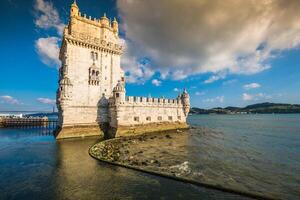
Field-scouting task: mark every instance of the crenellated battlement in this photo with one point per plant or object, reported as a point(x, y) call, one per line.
point(147, 101)
point(151, 100)
point(103, 22)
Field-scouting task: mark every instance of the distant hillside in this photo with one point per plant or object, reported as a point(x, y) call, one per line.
point(263, 108)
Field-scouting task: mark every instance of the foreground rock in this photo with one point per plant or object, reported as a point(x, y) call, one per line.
point(153, 152)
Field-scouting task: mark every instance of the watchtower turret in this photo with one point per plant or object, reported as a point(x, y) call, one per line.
point(185, 99)
point(74, 11)
point(119, 92)
point(115, 26)
point(104, 21)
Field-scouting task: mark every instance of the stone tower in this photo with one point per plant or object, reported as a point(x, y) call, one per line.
point(91, 96)
point(185, 98)
point(90, 69)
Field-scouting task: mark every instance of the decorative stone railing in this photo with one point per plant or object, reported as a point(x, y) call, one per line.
point(152, 101)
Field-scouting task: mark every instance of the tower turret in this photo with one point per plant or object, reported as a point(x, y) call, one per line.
point(74, 11)
point(119, 92)
point(185, 99)
point(115, 26)
point(104, 21)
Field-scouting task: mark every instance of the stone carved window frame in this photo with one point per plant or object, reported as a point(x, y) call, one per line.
point(94, 76)
point(94, 56)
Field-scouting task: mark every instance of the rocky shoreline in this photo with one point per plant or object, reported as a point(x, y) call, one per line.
point(131, 151)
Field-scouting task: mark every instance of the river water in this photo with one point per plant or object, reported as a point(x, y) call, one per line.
point(255, 153)
point(260, 150)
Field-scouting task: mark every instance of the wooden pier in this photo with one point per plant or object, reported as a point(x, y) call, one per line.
point(34, 122)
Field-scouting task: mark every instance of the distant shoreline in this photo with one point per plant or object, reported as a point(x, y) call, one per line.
point(261, 108)
point(242, 113)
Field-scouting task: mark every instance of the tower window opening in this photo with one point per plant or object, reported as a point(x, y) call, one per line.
point(94, 76)
point(94, 55)
point(117, 95)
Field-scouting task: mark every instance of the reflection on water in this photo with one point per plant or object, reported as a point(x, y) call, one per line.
point(35, 166)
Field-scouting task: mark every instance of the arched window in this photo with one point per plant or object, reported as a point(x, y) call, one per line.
point(94, 75)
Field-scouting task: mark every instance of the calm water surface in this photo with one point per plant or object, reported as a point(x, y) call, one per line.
point(35, 166)
point(255, 153)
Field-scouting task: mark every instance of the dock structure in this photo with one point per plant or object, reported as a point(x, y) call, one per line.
point(36, 122)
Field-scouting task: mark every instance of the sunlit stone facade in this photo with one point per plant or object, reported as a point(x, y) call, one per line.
point(91, 97)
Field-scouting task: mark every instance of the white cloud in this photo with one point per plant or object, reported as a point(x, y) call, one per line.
point(214, 78)
point(236, 37)
point(137, 71)
point(176, 90)
point(48, 50)
point(10, 100)
point(247, 97)
point(47, 16)
point(255, 97)
point(156, 82)
point(199, 93)
point(46, 101)
point(219, 99)
point(251, 86)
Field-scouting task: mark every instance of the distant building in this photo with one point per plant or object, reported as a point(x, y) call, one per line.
point(91, 97)
point(11, 115)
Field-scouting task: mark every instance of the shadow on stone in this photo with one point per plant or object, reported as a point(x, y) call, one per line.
point(103, 117)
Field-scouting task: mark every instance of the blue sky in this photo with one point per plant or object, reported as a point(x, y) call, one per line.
point(28, 78)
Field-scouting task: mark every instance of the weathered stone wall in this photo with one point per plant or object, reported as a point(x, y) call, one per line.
point(88, 45)
point(142, 110)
